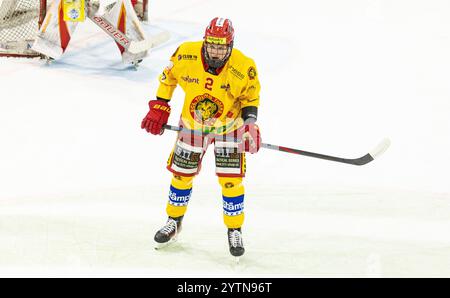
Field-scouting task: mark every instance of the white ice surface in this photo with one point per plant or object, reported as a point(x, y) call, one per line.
point(83, 188)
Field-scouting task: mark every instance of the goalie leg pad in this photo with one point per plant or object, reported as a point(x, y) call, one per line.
point(55, 33)
point(123, 15)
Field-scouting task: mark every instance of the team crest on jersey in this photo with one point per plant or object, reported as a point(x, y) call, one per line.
point(205, 109)
point(251, 73)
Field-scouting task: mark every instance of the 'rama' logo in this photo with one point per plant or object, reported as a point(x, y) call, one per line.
point(232, 208)
point(179, 199)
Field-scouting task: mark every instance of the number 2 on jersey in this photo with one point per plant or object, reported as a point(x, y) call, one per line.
point(209, 83)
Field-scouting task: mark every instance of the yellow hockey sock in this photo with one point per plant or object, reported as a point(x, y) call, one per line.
point(179, 195)
point(233, 201)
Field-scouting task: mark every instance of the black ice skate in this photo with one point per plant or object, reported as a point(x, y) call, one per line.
point(235, 242)
point(169, 232)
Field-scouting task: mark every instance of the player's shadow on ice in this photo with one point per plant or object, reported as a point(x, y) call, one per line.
point(220, 258)
point(96, 66)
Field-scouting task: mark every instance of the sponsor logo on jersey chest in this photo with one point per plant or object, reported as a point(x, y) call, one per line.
point(225, 86)
point(188, 79)
point(237, 73)
point(187, 57)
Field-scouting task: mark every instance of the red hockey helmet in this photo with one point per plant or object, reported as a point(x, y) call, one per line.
point(218, 42)
point(219, 31)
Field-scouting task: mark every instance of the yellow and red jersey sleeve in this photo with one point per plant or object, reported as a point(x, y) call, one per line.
point(167, 80)
point(250, 91)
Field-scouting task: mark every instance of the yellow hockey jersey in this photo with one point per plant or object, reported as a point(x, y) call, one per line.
point(213, 102)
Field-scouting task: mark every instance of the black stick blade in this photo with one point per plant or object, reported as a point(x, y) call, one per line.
point(376, 152)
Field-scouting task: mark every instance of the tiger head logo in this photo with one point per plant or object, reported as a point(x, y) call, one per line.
point(205, 109)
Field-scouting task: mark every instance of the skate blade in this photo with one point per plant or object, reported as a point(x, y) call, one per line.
point(237, 264)
point(160, 246)
point(235, 261)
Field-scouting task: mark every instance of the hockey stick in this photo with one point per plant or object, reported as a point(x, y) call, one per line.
point(376, 152)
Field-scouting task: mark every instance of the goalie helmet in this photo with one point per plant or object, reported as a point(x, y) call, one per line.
point(218, 42)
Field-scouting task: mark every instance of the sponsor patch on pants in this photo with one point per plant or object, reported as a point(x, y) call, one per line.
point(185, 159)
point(229, 161)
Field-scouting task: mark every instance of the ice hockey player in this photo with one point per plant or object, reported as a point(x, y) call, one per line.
point(221, 103)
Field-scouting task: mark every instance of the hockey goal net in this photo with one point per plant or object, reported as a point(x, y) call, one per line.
point(20, 21)
point(19, 24)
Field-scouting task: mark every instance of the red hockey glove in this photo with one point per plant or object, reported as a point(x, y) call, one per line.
point(157, 117)
point(251, 137)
